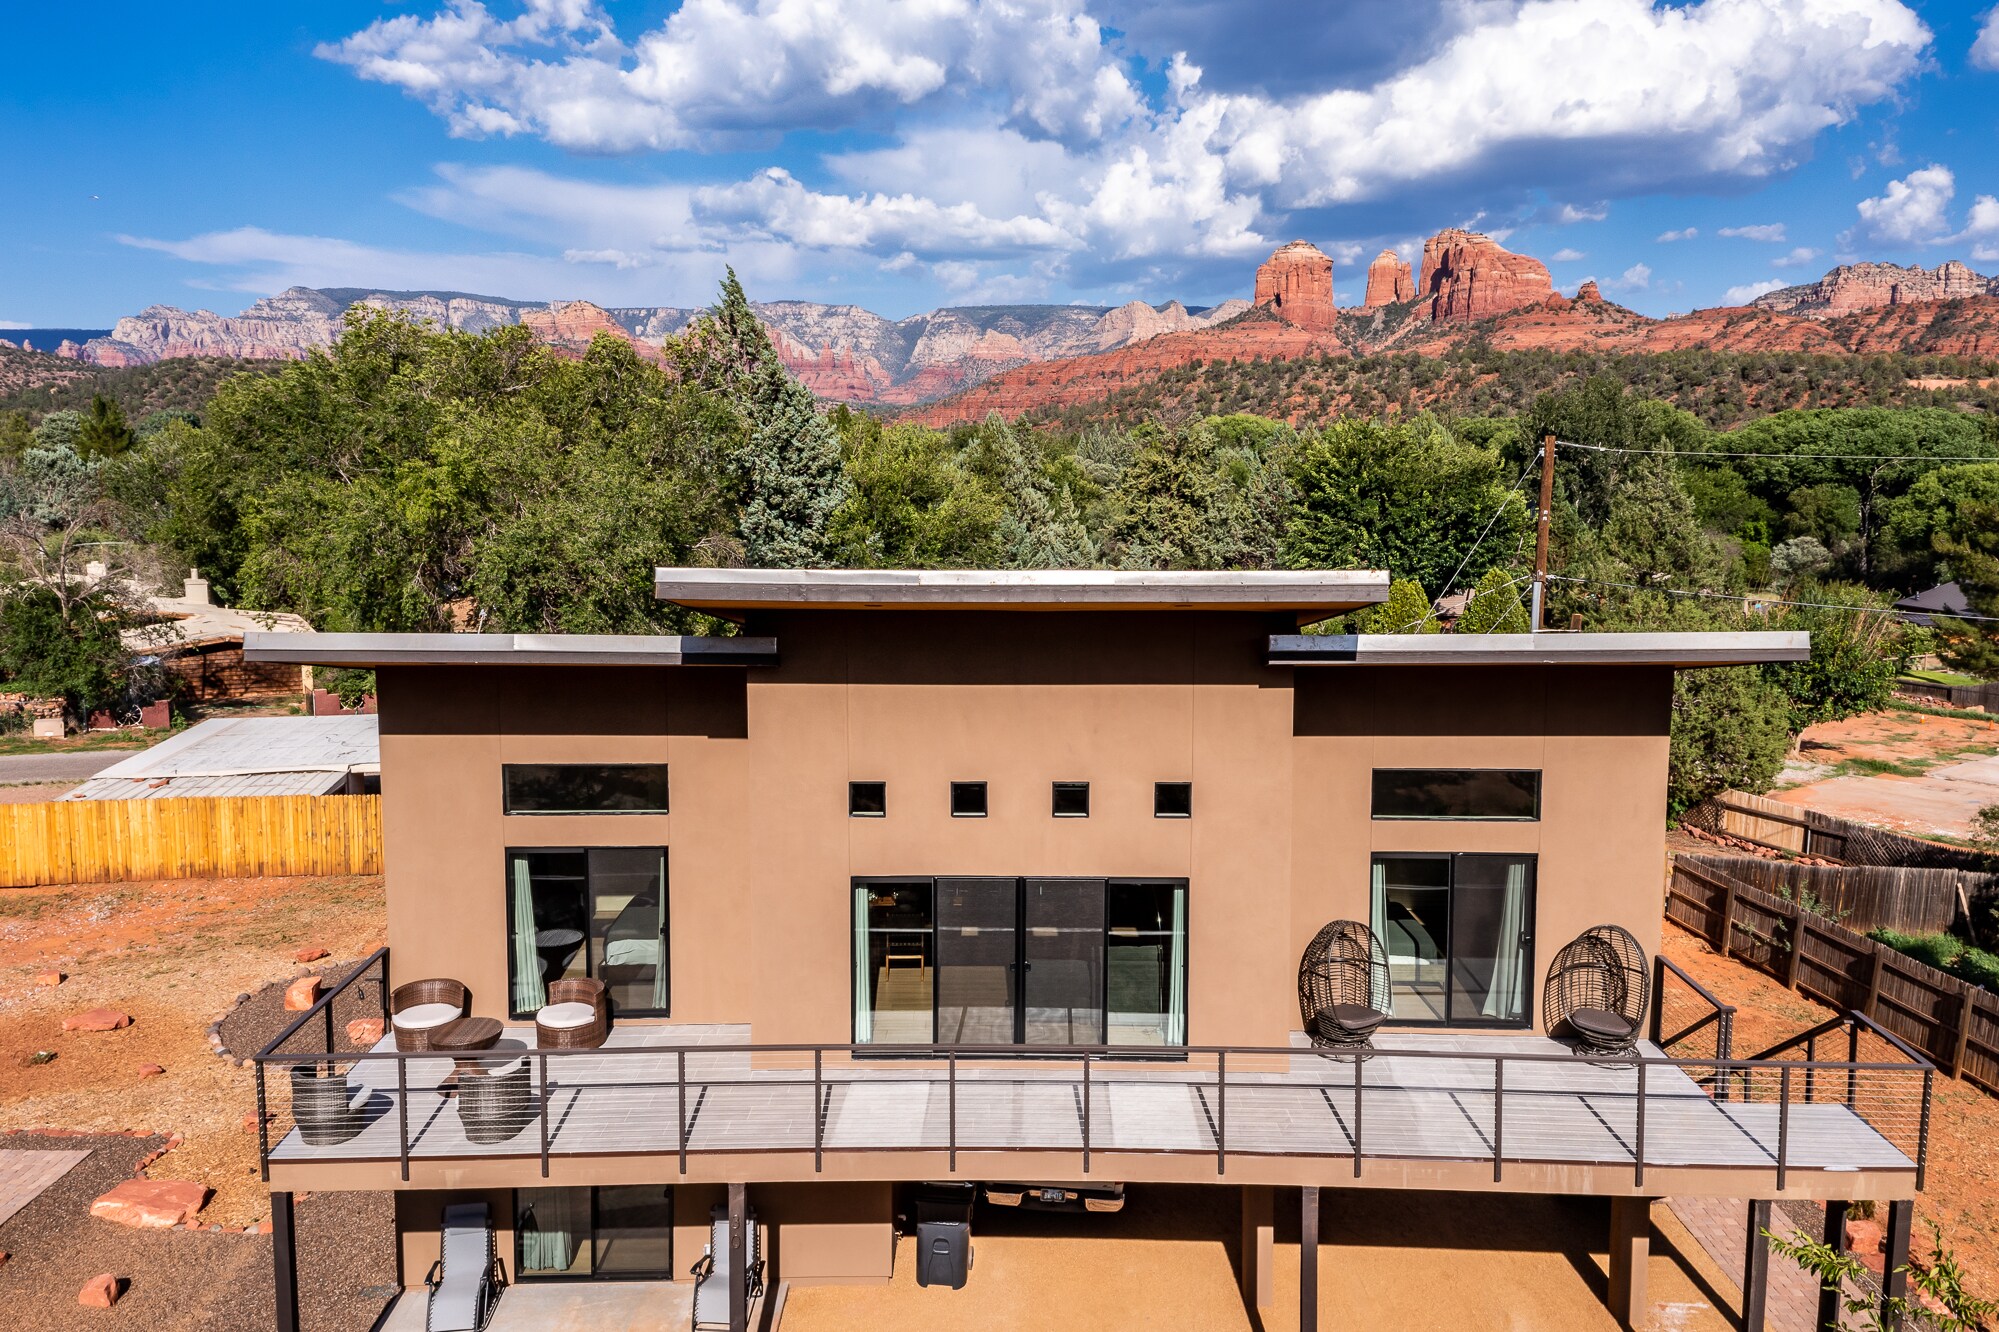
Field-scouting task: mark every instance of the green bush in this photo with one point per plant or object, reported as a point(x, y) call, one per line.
point(1947, 953)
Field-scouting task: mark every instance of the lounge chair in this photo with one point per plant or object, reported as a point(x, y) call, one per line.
point(465, 1282)
point(1597, 990)
point(323, 1105)
point(711, 1273)
point(1343, 986)
point(576, 1017)
point(421, 1007)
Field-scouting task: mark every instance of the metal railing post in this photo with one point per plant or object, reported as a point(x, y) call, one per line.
point(1498, 1115)
point(818, 1121)
point(1358, 1063)
point(329, 1027)
point(1852, 1058)
point(547, 1099)
point(1086, 1114)
point(1811, 1072)
point(951, 1079)
point(1923, 1129)
point(681, 1060)
point(1221, 1112)
point(1783, 1125)
point(1638, 1145)
point(263, 1126)
point(403, 1115)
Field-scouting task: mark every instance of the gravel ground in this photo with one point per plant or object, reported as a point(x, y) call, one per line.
point(252, 1024)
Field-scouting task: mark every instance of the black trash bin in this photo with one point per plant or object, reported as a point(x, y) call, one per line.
point(944, 1235)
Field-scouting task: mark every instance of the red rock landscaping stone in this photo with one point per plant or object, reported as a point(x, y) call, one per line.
point(151, 1204)
point(97, 1019)
point(364, 1031)
point(308, 954)
point(150, 1070)
point(302, 994)
point(49, 978)
point(100, 1292)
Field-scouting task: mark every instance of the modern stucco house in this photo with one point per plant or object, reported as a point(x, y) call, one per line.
point(1006, 876)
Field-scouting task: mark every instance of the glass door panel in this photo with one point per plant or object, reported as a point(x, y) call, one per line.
point(1492, 910)
point(895, 967)
point(634, 1230)
point(1412, 909)
point(1145, 964)
point(628, 926)
point(1062, 962)
point(550, 907)
point(977, 949)
point(553, 1231)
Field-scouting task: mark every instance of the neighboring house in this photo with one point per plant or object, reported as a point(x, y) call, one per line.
point(248, 756)
point(1007, 877)
point(201, 644)
point(1922, 608)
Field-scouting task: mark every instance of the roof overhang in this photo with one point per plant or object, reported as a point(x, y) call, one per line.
point(509, 650)
point(1314, 592)
point(1548, 649)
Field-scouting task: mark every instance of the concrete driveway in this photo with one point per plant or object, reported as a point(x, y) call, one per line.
point(58, 767)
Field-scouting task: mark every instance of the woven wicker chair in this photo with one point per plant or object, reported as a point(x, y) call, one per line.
point(494, 1107)
point(416, 1010)
point(1343, 986)
point(323, 1105)
point(560, 1026)
point(1597, 990)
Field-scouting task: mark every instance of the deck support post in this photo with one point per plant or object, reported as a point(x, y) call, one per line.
point(739, 1259)
point(1630, 1248)
point(1831, 1306)
point(1895, 1259)
point(1258, 1246)
point(284, 1262)
point(1308, 1259)
point(1756, 1266)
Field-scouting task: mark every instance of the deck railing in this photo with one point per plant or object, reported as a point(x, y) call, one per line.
point(1784, 1110)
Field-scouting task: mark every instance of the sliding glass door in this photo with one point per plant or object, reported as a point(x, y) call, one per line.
point(598, 911)
point(1020, 961)
point(1458, 930)
point(612, 1232)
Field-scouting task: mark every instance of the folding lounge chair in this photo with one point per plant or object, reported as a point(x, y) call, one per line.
point(464, 1283)
point(711, 1274)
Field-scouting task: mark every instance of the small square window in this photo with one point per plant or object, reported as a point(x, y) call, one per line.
point(1072, 800)
point(867, 800)
point(968, 800)
point(1172, 800)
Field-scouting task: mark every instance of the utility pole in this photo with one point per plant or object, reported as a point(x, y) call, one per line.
point(1541, 532)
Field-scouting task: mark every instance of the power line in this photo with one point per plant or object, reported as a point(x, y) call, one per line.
point(1764, 601)
point(1697, 454)
point(1483, 533)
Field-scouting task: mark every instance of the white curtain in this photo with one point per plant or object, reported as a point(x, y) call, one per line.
point(660, 998)
point(554, 1224)
point(864, 981)
point(528, 991)
point(1504, 1000)
point(1176, 983)
point(1377, 912)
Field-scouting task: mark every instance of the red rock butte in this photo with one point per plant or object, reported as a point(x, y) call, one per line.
point(1296, 282)
point(1467, 276)
point(1389, 280)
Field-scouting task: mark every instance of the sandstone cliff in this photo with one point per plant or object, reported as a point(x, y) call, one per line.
point(1852, 287)
point(1467, 276)
point(571, 326)
point(1296, 282)
point(1389, 280)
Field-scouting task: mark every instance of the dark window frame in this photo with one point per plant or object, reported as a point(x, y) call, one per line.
point(665, 918)
point(1525, 1022)
point(554, 1278)
point(1159, 789)
point(1056, 790)
point(853, 793)
point(1375, 794)
point(985, 799)
point(508, 796)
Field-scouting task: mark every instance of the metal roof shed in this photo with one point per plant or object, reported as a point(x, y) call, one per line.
point(246, 756)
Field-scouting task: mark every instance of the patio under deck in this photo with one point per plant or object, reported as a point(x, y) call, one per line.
point(1439, 1109)
point(568, 1306)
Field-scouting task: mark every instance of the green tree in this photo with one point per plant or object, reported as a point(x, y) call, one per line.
point(1856, 654)
point(1941, 1300)
point(1184, 501)
point(1955, 512)
point(1406, 611)
point(1730, 729)
point(1497, 606)
point(910, 504)
point(68, 648)
point(104, 433)
point(60, 430)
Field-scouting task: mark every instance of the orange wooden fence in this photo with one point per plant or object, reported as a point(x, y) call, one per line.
point(102, 841)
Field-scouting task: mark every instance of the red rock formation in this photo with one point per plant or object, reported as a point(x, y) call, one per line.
point(1389, 280)
point(1852, 287)
point(1467, 276)
point(1589, 293)
point(1296, 281)
point(571, 326)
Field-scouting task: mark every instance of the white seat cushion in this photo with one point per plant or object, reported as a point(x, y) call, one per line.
point(563, 1016)
point(422, 1017)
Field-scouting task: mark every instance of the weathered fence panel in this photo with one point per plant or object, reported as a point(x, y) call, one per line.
point(1954, 1023)
point(1801, 831)
point(102, 841)
point(1984, 696)
point(1865, 897)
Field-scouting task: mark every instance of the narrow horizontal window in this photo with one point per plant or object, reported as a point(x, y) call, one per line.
point(585, 788)
point(1172, 800)
point(867, 800)
point(1505, 794)
point(968, 800)
point(1072, 800)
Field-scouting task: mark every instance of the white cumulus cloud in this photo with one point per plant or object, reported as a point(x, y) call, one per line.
point(1567, 255)
point(1770, 231)
point(1985, 51)
point(1914, 210)
point(1802, 254)
point(1684, 233)
point(1744, 294)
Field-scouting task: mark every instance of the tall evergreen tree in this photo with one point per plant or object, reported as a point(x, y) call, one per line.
point(104, 433)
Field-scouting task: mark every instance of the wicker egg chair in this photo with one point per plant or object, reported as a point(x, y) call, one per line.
point(1597, 990)
point(1343, 986)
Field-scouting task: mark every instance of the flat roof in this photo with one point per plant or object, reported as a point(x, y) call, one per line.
point(1548, 649)
point(228, 756)
point(1322, 591)
point(509, 650)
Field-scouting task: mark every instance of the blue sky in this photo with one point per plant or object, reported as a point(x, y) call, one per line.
point(905, 154)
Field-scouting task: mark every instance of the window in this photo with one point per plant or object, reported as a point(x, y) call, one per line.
point(1446, 793)
point(1072, 800)
point(584, 788)
point(1020, 961)
point(613, 1232)
point(597, 912)
point(968, 800)
point(1172, 800)
point(867, 800)
point(1458, 930)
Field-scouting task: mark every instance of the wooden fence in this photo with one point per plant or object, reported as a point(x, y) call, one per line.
point(101, 841)
point(1865, 897)
point(1954, 1023)
point(1984, 696)
point(1806, 832)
